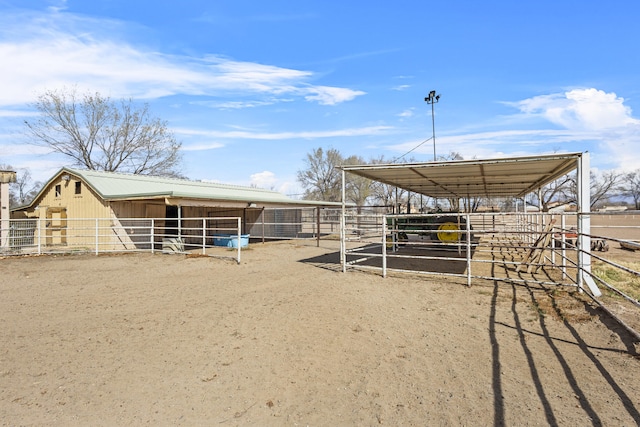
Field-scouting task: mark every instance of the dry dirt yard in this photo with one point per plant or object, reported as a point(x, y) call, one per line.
point(286, 339)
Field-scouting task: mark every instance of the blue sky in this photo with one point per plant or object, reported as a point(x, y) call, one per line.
point(250, 87)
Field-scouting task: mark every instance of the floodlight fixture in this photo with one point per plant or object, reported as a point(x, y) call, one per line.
point(431, 99)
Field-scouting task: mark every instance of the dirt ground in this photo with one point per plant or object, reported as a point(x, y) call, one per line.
point(285, 338)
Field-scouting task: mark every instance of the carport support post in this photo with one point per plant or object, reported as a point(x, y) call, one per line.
point(584, 226)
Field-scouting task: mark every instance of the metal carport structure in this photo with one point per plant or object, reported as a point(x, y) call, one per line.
point(499, 177)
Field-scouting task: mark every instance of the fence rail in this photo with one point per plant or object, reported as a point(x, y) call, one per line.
point(544, 249)
point(527, 248)
point(108, 235)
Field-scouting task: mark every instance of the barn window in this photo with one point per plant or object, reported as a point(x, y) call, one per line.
point(78, 187)
point(58, 190)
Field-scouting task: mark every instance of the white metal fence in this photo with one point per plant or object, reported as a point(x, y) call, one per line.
point(543, 249)
point(102, 235)
point(521, 243)
point(527, 248)
point(107, 235)
point(450, 244)
point(308, 223)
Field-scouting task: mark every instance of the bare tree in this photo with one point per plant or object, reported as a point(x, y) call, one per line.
point(604, 186)
point(24, 189)
point(385, 194)
point(321, 179)
point(631, 187)
point(389, 195)
point(100, 134)
point(358, 188)
point(559, 191)
point(469, 204)
point(565, 189)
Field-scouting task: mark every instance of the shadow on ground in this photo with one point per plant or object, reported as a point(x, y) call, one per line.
point(435, 258)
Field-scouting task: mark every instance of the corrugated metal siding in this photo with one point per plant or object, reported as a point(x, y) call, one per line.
point(134, 209)
point(63, 211)
point(87, 204)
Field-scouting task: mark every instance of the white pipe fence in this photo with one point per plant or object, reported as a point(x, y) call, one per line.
point(524, 242)
point(541, 248)
point(538, 248)
point(109, 235)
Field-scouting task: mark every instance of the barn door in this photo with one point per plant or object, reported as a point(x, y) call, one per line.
point(171, 221)
point(56, 226)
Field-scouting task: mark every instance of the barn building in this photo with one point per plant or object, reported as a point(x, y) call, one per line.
point(72, 195)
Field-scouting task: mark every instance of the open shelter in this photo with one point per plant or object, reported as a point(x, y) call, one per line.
point(499, 177)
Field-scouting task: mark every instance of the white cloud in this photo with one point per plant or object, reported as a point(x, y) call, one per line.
point(17, 113)
point(581, 109)
point(245, 134)
point(264, 179)
point(48, 51)
point(326, 95)
point(576, 120)
point(20, 149)
point(406, 113)
point(42, 168)
point(203, 146)
point(592, 114)
point(238, 105)
point(58, 6)
point(269, 181)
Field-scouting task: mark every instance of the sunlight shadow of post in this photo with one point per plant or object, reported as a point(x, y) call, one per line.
point(529, 355)
point(548, 410)
point(498, 401)
point(571, 379)
point(624, 398)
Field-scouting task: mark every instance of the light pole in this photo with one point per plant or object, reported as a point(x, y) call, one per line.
point(432, 98)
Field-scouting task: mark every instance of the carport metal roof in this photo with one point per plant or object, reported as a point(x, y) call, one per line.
point(514, 176)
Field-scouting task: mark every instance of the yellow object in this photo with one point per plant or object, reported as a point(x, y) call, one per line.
point(445, 232)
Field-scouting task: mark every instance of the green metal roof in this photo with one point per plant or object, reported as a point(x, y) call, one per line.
point(120, 186)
